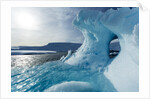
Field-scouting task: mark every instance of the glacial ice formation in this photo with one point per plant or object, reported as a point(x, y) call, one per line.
point(98, 29)
point(90, 69)
point(94, 52)
point(124, 70)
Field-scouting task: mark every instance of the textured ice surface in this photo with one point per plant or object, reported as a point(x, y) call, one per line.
point(90, 68)
point(124, 70)
point(96, 27)
point(94, 52)
point(71, 87)
point(53, 76)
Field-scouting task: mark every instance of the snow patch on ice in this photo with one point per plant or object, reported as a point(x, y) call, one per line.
point(72, 86)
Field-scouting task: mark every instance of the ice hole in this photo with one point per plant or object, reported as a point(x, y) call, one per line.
point(114, 47)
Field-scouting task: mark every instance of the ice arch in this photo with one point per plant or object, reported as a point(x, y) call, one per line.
point(98, 29)
point(94, 51)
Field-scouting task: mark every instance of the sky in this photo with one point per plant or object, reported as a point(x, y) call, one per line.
point(38, 26)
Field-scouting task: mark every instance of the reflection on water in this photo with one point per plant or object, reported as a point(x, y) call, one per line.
point(31, 60)
point(30, 52)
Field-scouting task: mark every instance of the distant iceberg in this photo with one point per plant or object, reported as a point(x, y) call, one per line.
point(90, 69)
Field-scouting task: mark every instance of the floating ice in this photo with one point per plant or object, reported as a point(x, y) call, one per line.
point(99, 29)
point(85, 70)
point(124, 70)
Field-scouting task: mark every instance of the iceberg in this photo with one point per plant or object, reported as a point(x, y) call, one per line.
point(94, 52)
point(124, 70)
point(99, 29)
point(90, 69)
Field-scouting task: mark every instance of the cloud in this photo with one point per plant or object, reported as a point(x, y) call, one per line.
point(54, 24)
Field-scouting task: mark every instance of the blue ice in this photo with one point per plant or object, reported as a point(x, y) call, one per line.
point(90, 69)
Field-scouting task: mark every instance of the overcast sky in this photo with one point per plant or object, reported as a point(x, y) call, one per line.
point(37, 26)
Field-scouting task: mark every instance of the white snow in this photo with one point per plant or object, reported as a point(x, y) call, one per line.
point(72, 86)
